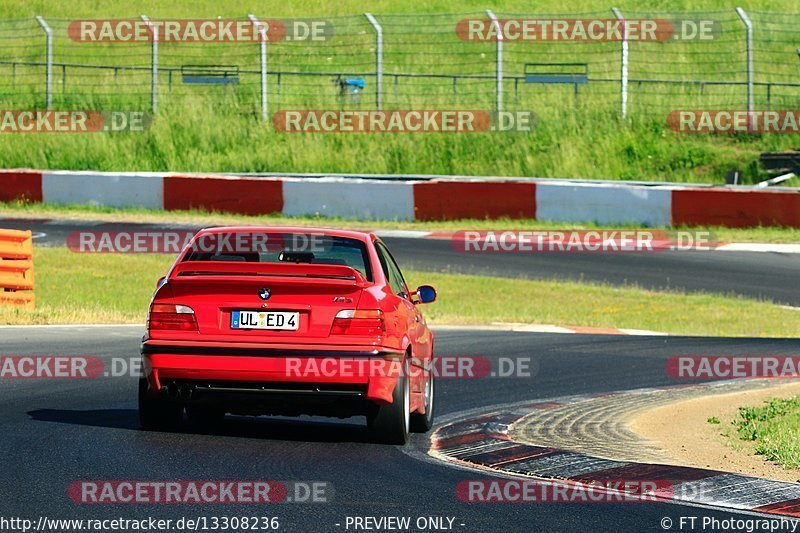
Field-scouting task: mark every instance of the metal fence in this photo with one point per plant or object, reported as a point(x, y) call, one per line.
point(415, 61)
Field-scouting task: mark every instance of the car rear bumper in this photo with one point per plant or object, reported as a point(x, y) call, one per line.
point(367, 372)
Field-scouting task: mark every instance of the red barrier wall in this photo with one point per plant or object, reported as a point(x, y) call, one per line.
point(447, 200)
point(20, 185)
point(735, 209)
point(242, 196)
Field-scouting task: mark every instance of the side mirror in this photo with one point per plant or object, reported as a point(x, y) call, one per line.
point(425, 294)
point(161, 281)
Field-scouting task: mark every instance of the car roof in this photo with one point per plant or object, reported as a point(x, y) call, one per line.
point(364, 236)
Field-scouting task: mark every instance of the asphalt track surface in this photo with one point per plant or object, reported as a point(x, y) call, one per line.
point(55, 432)
point(763, 275)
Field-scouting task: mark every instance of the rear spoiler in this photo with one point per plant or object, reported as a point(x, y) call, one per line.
point(293, 273)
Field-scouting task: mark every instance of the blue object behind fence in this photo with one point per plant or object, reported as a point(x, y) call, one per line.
point(351, 85)
point(210, 75)
point(556, 73)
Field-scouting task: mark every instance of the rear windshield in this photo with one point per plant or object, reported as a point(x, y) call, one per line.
point(256, 247)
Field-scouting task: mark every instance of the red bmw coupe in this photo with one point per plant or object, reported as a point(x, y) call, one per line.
point(288, 321)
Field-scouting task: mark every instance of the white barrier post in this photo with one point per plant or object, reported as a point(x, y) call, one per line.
point(499, 71)
point(749, 43)
point(624, 72)
point(154, 79)
point(48, 80)
point(378, 60)
point(263, 53)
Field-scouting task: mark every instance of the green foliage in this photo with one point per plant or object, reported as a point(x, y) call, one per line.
point(205, 129)
point(774, 428)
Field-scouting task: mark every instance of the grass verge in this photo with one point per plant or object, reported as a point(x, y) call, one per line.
point(204, 129)
point(212, 8)
point(203, 218)
point(108, 288)
point(578, 132)
point(567, 144)
point(774, 429)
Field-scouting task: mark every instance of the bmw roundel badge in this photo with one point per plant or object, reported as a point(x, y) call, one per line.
point(264, 294)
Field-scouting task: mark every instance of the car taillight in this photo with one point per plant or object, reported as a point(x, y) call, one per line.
point(358, 322)
point(171, 317)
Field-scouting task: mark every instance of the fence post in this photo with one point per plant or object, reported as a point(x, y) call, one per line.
point(749, 28)
point(499, 72)
point(154, 81)
point(624, 61)
point(378, 60)
point(48, 80)
point(262, 32)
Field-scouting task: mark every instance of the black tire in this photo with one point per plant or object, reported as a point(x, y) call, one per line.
point(423, 423)
point(390, 423)
point(204, 417)
point(157, 414)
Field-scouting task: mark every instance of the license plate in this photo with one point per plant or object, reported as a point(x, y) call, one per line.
point(265, 320)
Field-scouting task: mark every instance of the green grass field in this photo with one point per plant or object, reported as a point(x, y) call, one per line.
point(213, 8)
point(201, 128)
point(773, 429)
point(108, 288)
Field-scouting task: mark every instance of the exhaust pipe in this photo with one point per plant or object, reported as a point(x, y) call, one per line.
point(170, 390)
point(186, 392)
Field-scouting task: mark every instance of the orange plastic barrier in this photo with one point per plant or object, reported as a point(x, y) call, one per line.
point(16, 269)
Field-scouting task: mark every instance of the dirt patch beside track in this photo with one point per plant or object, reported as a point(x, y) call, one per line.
point(682, 431)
